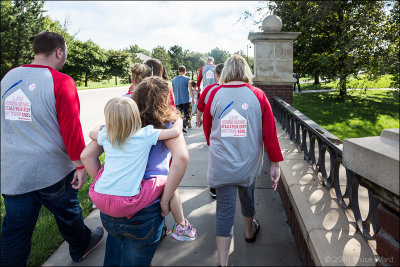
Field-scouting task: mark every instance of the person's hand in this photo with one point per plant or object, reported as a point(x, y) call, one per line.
point(178, 125)
point(193, 101)
point(275, 174)
point(199, 121)
point(79, 179)
point(164, 207)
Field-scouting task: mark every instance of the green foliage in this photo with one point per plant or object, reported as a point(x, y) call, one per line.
point(160, 53)
point(360, 114)
point(176, 55)
point(117, 64)
point(340, 38)
point(86, 60)
point(20, 21)
point(359, 82)
point(219, 55)
point(193, 62)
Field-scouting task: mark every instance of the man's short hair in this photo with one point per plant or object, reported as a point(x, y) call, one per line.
point(47, 42)
point(181, 68)
point(210, 59)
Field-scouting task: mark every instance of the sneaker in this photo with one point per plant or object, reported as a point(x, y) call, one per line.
point(187, 233)
point(95, 238)
point(213, 192)
point(184, 130)
point(189, 125)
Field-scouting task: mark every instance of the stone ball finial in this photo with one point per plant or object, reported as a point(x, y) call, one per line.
point(272, 23)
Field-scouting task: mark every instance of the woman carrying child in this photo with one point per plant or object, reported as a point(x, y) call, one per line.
point(133, 235)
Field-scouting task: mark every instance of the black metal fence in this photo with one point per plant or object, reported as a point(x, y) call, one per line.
point(324, 151)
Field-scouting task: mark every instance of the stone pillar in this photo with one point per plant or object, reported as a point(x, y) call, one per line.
point(273, 59)
point(375, 161)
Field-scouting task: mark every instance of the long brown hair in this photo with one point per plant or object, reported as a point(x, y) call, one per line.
point(152, 97)
point(157, 68)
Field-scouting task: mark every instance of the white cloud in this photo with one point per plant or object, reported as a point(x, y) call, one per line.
point(197, 26)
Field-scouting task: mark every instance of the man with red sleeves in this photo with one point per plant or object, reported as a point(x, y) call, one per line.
point(41, 143)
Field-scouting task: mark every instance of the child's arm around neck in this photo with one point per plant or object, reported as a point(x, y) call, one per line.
point(95, 131)
point(172, 132)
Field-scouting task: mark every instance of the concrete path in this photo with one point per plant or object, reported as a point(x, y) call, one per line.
point(275, 245)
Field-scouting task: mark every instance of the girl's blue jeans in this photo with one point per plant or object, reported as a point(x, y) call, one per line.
point(133, 242)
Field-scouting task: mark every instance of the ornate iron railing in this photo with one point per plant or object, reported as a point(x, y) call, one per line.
point(299, 127)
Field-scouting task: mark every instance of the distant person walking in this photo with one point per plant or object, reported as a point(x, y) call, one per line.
point(183, 93)
point(157, 69)
point(138, 72)
point(201, 104)
point(207, 74)
point(41, 143)
point(238, 122)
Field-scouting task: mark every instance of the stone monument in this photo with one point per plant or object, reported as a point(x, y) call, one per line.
point(273, 59)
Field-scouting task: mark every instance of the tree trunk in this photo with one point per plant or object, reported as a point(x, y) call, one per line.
point(316, 79)
point(115, 80)
point(342, 85)
point(86, 79)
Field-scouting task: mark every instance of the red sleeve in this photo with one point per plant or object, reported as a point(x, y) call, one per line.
point(200, 77)
point(171, 96)
point(201, 103)
point(68, 111)
point(207, 117)
point(270, 137)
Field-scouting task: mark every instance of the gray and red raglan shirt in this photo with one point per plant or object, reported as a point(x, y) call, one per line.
point(238, 121)
point(41, 133)
point(205, 95)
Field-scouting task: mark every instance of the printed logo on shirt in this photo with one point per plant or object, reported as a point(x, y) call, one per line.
point(17, 107)
point(233, 125)
point(32, 87)
point(245, 106)
point(210, 74)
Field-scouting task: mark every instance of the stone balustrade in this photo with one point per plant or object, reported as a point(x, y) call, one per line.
point(375, 163)
point(331, 212)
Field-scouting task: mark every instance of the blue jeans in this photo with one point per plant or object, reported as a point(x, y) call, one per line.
point(22, 212)
point(133, 242)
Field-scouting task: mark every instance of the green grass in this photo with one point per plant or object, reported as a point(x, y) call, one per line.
point(352, 83)
point(102, 84)
point(362, 113)
point(46, 237)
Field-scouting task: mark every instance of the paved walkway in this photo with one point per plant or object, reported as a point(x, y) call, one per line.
point(275, 245)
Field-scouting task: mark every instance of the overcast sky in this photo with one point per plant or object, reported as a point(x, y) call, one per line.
point(195, 25)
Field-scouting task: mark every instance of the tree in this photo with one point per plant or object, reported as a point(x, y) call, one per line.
point(117, 64)
point(338, 38)
point(160, 53)
point(219, 55)
point(194, 61)
point(176, 55)
point(86, 61)
point(133, 50)
point(21, 20)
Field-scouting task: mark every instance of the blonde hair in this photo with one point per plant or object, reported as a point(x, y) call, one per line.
point(139, 72)
point(122, 119)
point(236, 69)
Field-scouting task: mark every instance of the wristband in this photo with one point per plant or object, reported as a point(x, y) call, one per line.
point(80, 168)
